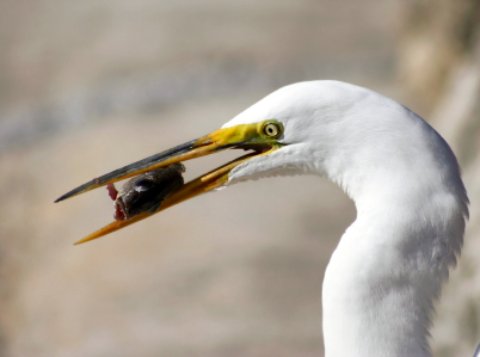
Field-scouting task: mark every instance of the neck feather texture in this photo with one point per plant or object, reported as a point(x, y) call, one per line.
point(389, 266)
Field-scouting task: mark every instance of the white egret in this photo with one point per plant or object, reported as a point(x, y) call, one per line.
point(388, 268)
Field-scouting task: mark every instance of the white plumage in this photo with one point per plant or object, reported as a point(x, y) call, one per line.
point(389, 266)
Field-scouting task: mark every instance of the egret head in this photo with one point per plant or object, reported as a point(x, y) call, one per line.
point(320, 127)
point(311, 115)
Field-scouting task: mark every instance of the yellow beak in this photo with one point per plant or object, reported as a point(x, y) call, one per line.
point(258, 137)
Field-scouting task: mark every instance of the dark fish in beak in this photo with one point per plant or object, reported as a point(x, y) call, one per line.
point(136, 201)
point(145, 192)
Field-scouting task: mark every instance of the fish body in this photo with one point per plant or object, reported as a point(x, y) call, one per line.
point(147, 191)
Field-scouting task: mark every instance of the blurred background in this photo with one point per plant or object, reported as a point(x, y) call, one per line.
point(87, 86)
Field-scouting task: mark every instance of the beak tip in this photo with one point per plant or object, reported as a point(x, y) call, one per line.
point(84, 240)
point(65, 196)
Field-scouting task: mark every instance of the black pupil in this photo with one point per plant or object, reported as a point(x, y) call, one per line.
point(270, 130)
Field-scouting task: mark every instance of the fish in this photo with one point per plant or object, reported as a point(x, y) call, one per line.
point(146, 192)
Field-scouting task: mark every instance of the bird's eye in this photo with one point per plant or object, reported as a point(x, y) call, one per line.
point(272, 130)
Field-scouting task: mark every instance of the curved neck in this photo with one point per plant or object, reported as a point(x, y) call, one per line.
point(373, 305)
point(387, 270)
point(389, 266)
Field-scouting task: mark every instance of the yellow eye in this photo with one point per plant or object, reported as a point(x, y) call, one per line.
point(272, 130)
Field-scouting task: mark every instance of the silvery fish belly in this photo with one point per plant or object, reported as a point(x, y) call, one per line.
point(146, 192)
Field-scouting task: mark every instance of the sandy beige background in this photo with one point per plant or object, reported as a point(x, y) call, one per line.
point(87, 86)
